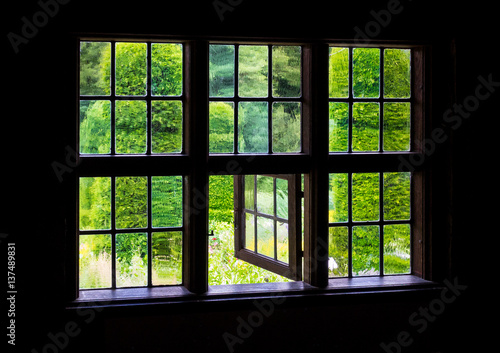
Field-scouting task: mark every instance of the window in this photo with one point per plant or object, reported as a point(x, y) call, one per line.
point(130, 224)
point(311, 135)
point(370, 110)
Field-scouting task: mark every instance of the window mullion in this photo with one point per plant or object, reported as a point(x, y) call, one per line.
point(316, 120)
point(195, 253)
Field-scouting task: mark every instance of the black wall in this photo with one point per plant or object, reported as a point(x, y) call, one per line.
point(36, 126)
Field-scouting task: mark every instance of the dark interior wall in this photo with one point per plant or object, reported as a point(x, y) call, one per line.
point(36, 127)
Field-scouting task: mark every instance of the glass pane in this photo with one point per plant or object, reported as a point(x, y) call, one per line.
point(131, 202)
point(253, 127)
point(221, 73)
point(339, 127)
point(397, 193)
point(131, 260)
point(95, 203)
point(397, 249)
point(220, 197)
point(397, 73)
point(365, 127)
point(250, 231)
point(286, 71)
point(95, 261)
point(265, 196)
point(397, 124)
point(131, 69)
point(338, 200)
point(365, 250)
point(366, 72)
point(282, 241)
point(265, 236)
point(249, 191)
point(166, 122)
point(166, 201)
point(282, 198)
point(167, 258)
point(253, 71)
point(286, 127)
point(95, 127)
point(221, 127)
point(338, 252)
point(95, 68)
point(166, 69)
point(365, 197)
point(131, 126)
point(339, 72)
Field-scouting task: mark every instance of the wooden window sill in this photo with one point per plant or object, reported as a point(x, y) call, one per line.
point(179, 295)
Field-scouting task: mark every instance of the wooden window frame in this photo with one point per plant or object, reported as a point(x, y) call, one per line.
point(315, 162)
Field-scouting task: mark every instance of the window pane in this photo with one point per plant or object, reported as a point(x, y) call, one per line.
point(221, 127)
point(397, 73)
point(167, 258)
point(95, 261)
point(250, 231)
point(397, 126)
point(365, 197)
point(95, 203)
point(131, 126)
point(249, 191)
point(338, 252)
point(397, 249)
point(365, 250)
point(282, 198)
point(366, 72)
point(339, 127)
point(265, 236)
point(365, 128)
point(286, 71)
point(286, 127)
point(131, 69)
point(253, 127)
point(282, 241)
point(166, 126)
point(131, 202)
point(95, 68)
point(339, 72)
point(265, 197)
point(131, 260)
point(338, 200)
point(221, 71)
point(253, 71)
point(166, 203)
point(166, 69)
point(95, 127)
point(397, 193)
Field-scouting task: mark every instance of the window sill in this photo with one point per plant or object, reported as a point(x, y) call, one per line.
point(178, 295)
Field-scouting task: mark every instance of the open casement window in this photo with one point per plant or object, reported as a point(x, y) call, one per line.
point(268, 222)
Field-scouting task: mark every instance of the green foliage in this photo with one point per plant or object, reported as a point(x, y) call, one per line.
point(221, 127)
point(166, 126)
point(221, 199)
point(131, 69)
point(166, 69)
